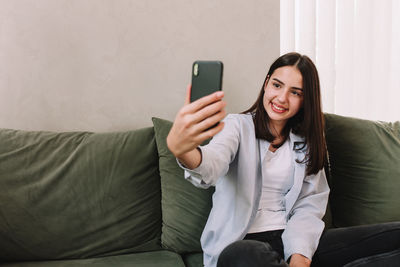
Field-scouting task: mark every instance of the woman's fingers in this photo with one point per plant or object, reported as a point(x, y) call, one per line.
point(188, 92)
point(201, 109)
point(193, 122)
point(208, 111)
point(210, 121)
point(203, 102)
point(210, 132)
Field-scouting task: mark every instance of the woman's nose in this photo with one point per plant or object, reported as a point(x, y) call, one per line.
point(283, 96)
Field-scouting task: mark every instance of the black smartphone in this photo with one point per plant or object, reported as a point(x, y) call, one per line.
point(206, 78)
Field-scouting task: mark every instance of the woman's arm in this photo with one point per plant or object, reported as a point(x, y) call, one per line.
point(192, 127)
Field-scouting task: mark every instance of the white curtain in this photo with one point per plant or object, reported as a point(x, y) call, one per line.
point(356, 47)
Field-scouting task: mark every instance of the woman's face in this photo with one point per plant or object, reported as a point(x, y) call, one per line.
point(283, 96)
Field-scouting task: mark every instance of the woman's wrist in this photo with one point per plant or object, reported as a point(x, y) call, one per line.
point(191, 159)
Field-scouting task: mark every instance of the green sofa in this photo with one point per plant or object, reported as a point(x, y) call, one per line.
point(120, 199)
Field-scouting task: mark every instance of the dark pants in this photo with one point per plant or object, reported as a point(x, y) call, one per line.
point(360, 246)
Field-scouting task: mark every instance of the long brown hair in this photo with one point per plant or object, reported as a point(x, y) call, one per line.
point(308, 122)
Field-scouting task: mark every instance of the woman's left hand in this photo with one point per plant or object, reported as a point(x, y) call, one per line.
point(298, 260)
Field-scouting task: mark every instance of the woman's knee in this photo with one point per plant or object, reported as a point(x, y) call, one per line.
point(249, 253)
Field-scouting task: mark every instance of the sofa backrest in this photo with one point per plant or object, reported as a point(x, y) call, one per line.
point(364, 170)
point(78, 195)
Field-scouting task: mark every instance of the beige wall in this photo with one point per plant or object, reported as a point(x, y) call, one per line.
point(106, 65)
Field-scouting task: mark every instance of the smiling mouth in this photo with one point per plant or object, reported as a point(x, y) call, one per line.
point(277, 109)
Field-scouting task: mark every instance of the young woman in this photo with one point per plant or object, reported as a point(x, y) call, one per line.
point(267, 168)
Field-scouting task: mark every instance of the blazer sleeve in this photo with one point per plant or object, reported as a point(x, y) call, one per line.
point(217, 155)
point(305, 225)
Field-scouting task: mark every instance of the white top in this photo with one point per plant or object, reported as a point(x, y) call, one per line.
point(277, 179)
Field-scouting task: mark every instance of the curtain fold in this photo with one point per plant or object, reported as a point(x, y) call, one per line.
point(356, 47)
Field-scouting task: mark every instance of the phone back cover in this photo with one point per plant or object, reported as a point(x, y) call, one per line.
point(208, 79)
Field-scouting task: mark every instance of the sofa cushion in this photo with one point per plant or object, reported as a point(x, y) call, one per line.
point(185, 208)
point(193, 259)
point(78, 195)
point(144, 259)
point(365, 174)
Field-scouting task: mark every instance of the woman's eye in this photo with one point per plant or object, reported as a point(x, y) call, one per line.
point(296, 93)
point(277, 85)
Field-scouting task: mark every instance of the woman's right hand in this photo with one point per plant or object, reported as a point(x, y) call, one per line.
point(192, 125)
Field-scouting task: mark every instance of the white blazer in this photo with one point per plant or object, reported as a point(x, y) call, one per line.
point(231, 162)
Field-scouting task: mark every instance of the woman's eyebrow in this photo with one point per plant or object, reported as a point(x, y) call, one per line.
point(297, 88)
point(277, 80)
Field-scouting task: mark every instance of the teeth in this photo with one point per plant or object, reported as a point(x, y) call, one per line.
point(278, 108)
